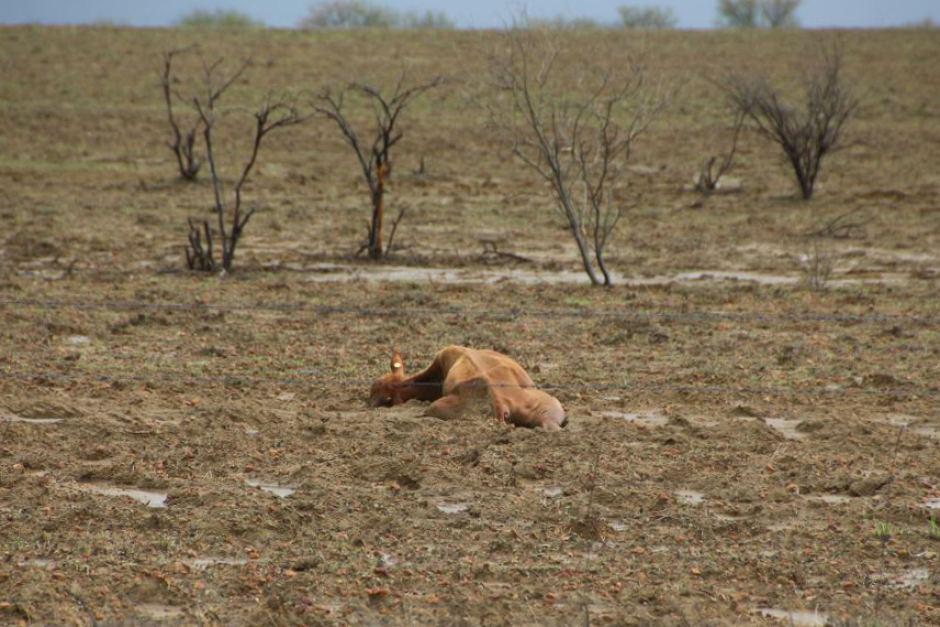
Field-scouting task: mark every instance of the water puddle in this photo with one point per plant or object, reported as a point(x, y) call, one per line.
point(37, 563)
point(649, 419)
point(689, 497)
point(899, 420)
point(908, 422)
point(78, 340)
point(787, 428)
point(148, 498)
point(329, 273)
point(343, 273)
point(203, 563)
point(281, 492)
point(730, 518)
point(908, 580)
point(796, 618)
point(742, 276)
point(830, 499)
point(927, 432)
point(453, 508)
point(159, 612)
point(31, 421)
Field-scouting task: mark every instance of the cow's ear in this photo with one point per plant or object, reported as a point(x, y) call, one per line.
point(398, 366)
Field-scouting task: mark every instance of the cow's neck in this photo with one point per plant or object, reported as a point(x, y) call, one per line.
point(411, 388)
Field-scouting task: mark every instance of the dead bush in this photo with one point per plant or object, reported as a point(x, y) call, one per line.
point(576, 137)
point(185, 135)
point(716, 166)
point(806, 134)
point(373, 147)
point(231, 216)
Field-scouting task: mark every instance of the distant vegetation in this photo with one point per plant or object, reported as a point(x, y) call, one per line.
point(366, 14)
point(219, 19)
point(758, 13)
point(927, 22)
point(560, 22)
point(647, 17)
point(640, 17)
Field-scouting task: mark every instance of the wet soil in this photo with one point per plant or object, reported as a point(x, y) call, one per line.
point(187, 449)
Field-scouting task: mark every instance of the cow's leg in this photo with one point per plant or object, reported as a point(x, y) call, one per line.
point(479, 389)
point(446, 407)
point(426, 385)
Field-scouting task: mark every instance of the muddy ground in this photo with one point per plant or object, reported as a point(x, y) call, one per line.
point(193, 449)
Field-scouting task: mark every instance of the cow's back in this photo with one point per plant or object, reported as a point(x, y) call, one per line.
point(462, 364)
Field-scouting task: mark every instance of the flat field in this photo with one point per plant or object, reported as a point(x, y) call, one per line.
point(742, 449)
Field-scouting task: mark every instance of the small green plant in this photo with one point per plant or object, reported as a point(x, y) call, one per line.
point(883, 531)
point(934, 529)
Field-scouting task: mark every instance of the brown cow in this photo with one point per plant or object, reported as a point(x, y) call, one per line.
point(458, 375)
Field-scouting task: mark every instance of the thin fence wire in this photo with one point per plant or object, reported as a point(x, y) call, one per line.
point(508, 314)
point(313, 377)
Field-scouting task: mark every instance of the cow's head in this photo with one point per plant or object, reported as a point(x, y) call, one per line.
point(386, 391)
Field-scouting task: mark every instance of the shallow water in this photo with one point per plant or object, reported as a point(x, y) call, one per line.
point(797, 618)
point(453, 508)
point(908, 579)
point(202, 563)
point(31, 421)
point(787, 428)
point(148, 498)
point(650, 419)
point(331, 272)
point(159, 612)
point(281, 492)
point(689, 497)
point(830, 499)
point(38, 563)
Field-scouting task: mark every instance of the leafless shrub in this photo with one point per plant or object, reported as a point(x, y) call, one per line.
point(231, 217)
point(714, 167)
point(847, 225)
point(817, 266)
point(184, 141)
point(374, 157)
point(576, 136)
point(808, 134)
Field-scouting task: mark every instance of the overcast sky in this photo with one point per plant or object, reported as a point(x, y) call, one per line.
point(472, 13)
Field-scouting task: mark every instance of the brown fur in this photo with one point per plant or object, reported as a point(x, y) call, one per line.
point(458, 375)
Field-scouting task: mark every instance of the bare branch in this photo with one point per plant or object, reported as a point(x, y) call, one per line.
point(374, 160)
point(231, 219)
point(183, 144)
point(578, 143)
point(808, 134)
